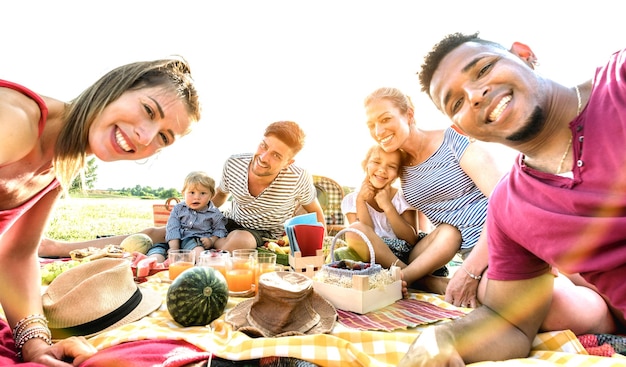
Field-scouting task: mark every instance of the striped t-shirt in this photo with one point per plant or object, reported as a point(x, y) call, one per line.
point(444, 192)
point(275, 205)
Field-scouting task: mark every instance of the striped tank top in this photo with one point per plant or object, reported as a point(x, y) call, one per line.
point(444, 192)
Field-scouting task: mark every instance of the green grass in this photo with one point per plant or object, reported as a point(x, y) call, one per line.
point(78, 219)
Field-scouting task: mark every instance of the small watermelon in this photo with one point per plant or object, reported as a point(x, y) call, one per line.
point(197, 296)
point(138, 242)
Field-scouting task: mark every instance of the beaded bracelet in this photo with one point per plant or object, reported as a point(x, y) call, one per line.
point(22, 333)
point(473, 276)
point(23, 323)
point(41, 332)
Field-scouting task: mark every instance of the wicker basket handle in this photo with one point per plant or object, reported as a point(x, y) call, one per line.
point(363, 236)
point(168, 203)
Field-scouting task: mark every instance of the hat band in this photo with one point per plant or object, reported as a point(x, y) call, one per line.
point(105, 321)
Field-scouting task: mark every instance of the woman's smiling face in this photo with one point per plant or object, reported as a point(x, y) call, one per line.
point(386, 124)
point(138, 124)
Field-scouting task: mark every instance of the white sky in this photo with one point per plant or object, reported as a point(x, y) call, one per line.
point(312, 62)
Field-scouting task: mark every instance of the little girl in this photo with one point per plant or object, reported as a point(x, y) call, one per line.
point(380, 211)
point(382, 207)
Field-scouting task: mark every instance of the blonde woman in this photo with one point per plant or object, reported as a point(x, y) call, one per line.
point(446, 177)
point(131, 113)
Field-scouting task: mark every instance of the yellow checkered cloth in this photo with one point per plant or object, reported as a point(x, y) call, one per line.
point(342, 347)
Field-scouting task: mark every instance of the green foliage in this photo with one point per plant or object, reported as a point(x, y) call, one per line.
point(87, 177)
point(148, 192)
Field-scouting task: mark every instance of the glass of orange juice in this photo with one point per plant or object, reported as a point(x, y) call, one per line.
point(216, 259)
point(241, 272)
point(265, 263)
point(180, 260)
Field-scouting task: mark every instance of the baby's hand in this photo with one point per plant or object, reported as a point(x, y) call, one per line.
point(206, 242)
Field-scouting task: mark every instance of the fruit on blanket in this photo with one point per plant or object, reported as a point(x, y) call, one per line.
point(273, 246)
point(52, 270)
point(346, 253)
point(144, 265)
point(138, 242)
point(197, 296)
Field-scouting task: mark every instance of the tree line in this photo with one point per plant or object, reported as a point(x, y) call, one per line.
point(86, 180)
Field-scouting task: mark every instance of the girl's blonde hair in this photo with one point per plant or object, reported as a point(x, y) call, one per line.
point(172, 74)
point(199, 178)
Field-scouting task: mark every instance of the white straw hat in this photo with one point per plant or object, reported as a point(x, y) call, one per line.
point(94, 297)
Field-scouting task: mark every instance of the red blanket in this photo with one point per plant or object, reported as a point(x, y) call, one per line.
point(167, 353)
point(605, 345)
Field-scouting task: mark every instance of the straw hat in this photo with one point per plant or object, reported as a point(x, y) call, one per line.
point(94, 297)
point(285, 305)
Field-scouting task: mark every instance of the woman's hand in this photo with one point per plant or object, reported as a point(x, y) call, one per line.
point(74, 349)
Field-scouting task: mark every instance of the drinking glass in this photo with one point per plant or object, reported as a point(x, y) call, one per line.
point(241, 271)
point(180, 260)
point(265, 263)
point(216, 259)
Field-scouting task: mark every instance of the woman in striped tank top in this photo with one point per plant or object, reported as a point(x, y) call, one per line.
point(379, 210)
point(449, 179)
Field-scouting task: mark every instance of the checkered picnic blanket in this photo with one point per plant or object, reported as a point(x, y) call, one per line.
point(342, 347)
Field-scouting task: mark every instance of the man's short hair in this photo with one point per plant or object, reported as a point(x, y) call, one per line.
point(443, 48)
point(289, 133)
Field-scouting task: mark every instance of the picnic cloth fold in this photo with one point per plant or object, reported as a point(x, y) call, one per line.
point(400, 315)
point(605, 345)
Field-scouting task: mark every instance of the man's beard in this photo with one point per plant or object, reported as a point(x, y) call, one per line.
point(533, 126)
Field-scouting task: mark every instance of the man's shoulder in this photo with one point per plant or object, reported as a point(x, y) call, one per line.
point(238, 161)
point(240, 156)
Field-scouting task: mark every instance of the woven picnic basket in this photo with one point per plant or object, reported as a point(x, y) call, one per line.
point(161, 212)
point(332, 268)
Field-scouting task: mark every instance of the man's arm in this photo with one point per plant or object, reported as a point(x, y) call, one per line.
point(219, 198)
point(503, 328)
